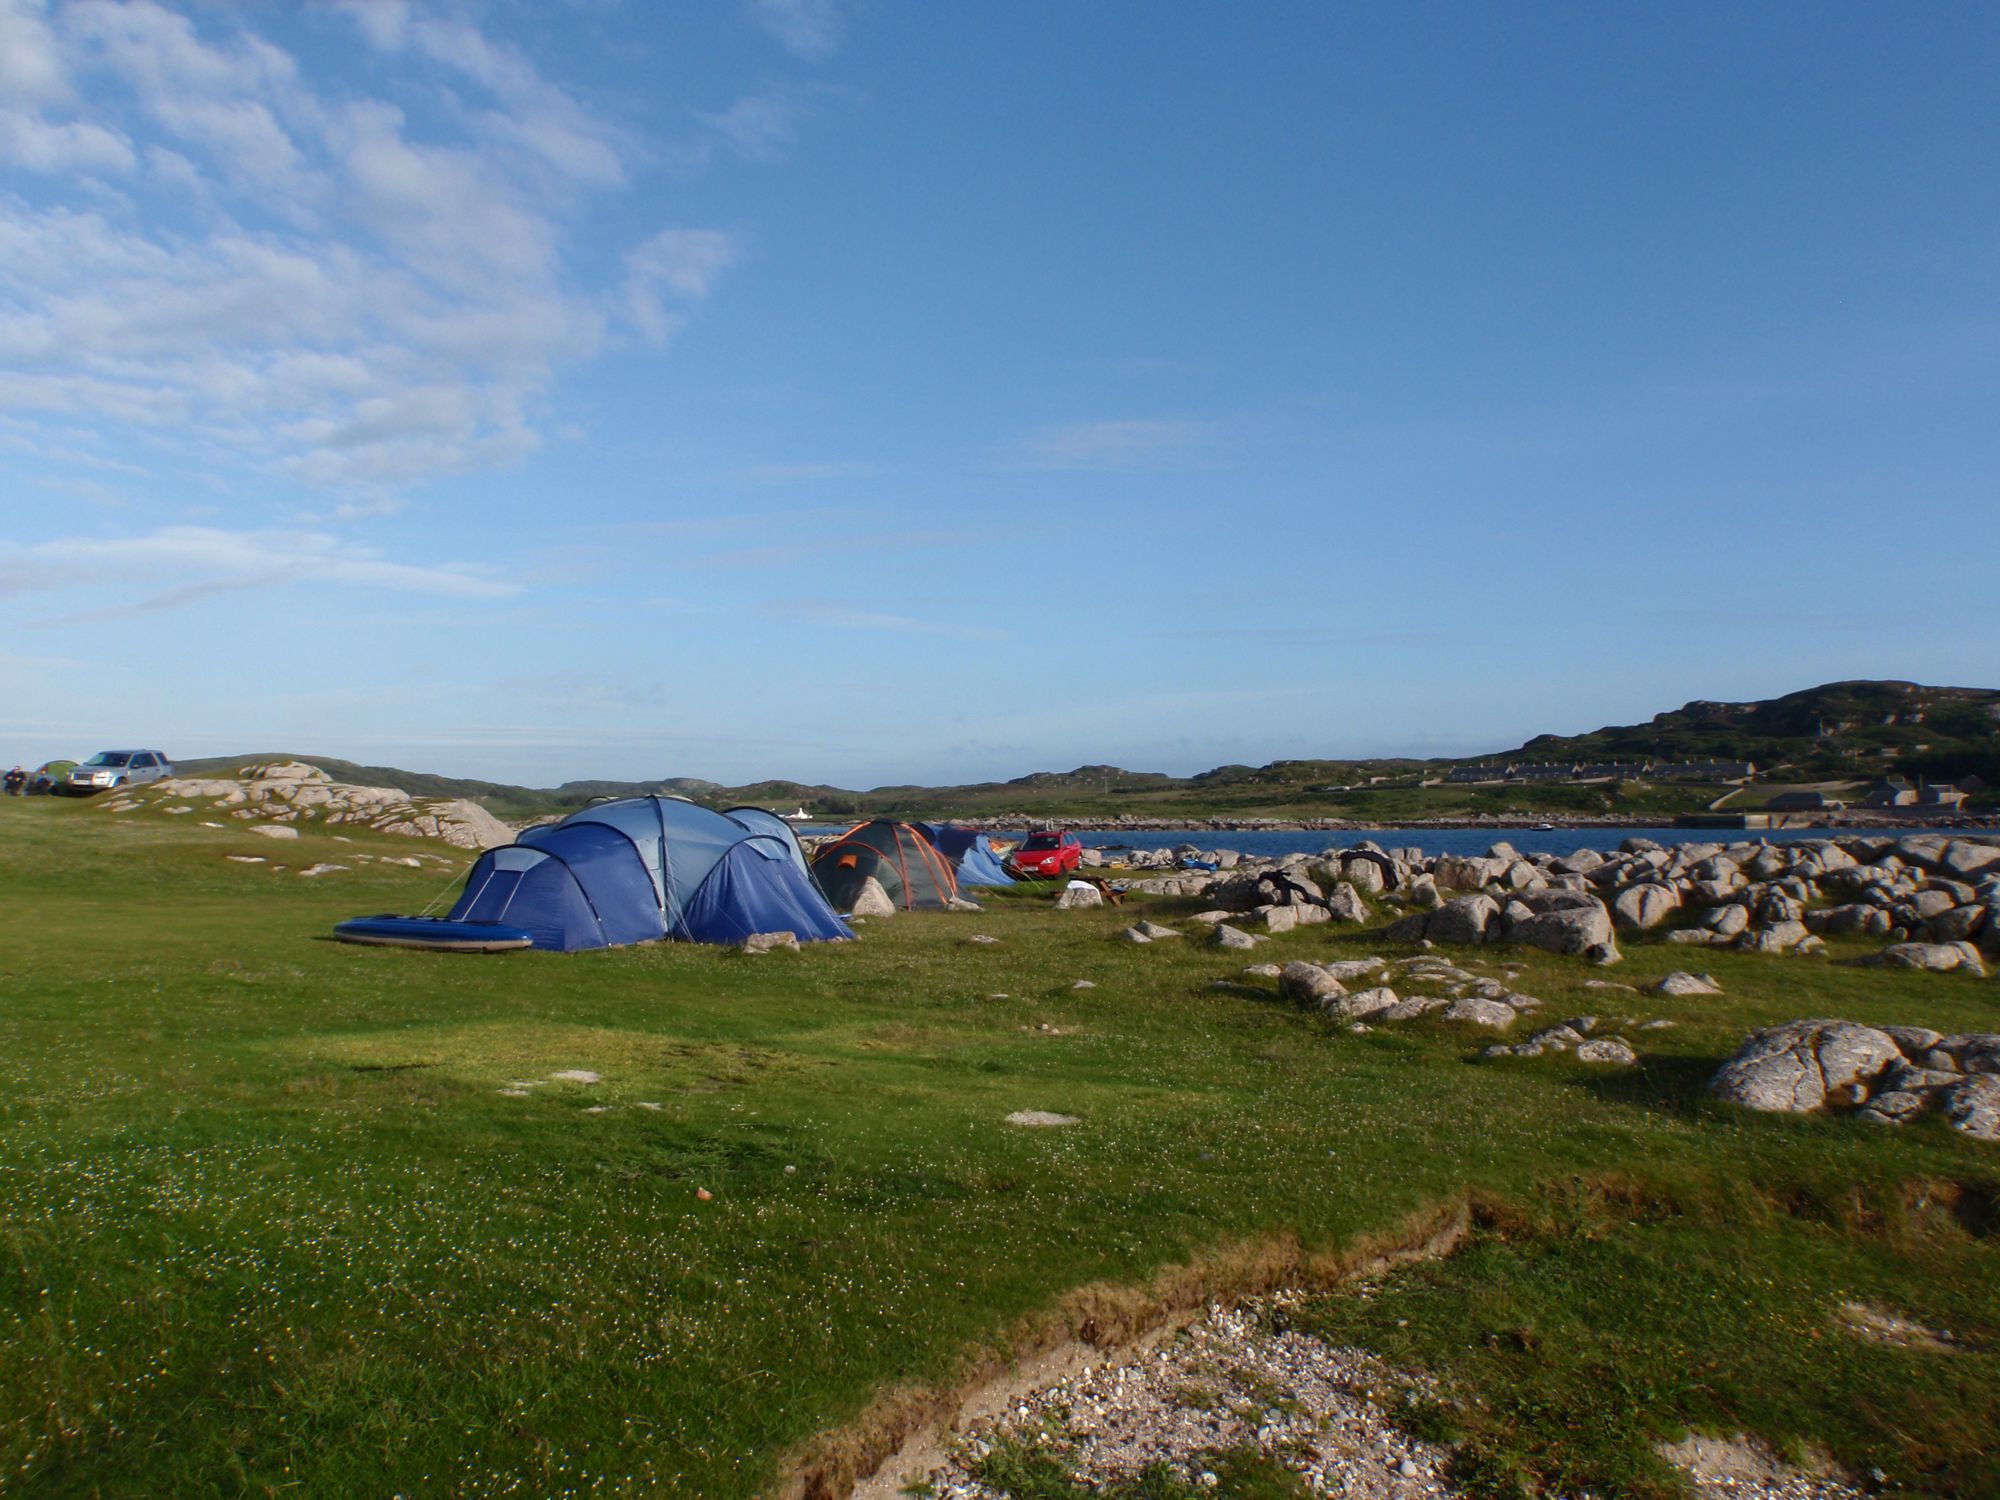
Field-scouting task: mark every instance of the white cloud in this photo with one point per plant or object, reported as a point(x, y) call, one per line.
point(187, 563)
point(31, 70)
point(808, 29)
point(685, 262)
point(29, 141)
point(327, 286)
point(759, 126)
point(1136, 446)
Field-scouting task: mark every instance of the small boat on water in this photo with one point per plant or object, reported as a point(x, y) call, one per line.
point(1545, 828)
point(801, 816)
point(439, 934)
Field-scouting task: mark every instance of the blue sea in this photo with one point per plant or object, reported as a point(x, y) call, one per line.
point(1273, 844)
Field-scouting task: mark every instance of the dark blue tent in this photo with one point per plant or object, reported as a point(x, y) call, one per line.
point(647, 868)
point(971, 856)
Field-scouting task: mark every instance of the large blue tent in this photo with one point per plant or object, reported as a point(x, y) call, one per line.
point(645, 868)
point(971, 855)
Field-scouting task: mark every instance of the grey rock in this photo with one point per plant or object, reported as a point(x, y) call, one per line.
point(1567, 930)
point(1681, 984)
point(1641, 908)
point(1468, 919)
point(1893, 1107)
point(1973, 1107)
point(1608, 1049)
point(1939, 958)
point(1134, 935)
point(1079, 898)
point(1727, 921)
point(1225, 936)
point(872, 900)
point(1345, 904)
point(1805, 1065)
point(1494, 1013)
point(1363, 1003)
point(771, 942)
point(1413, 1007)
point(1308, 984)
point(1155, 931)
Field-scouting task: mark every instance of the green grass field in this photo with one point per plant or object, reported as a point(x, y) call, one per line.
point(272, 1226)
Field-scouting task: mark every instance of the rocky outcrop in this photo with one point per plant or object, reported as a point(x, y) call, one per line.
point(1931, 889)
point(1889, 1075)
point(292, 794)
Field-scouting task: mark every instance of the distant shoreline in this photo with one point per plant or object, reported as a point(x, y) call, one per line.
point(1134, 824)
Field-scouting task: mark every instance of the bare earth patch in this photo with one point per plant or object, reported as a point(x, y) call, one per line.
point(1879, 1325)
point(1224, 1383)
point(1741, 1468)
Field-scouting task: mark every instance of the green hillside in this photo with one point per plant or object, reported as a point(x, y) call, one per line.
point(1843, 731)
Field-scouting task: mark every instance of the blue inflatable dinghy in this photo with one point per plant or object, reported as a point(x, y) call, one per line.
point(439, 933)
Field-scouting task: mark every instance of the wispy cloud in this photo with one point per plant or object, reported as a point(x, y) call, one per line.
point(683, 263)
point(346, 290)
point(184, 564)
point(838, 616)
point(808, 29)
point(1148, 445)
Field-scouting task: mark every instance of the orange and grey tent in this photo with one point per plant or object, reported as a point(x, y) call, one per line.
point(906, 863)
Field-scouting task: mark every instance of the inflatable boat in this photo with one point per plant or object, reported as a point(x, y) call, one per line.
point(439, 933)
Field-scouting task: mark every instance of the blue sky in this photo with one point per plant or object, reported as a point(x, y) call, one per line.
point(885, 391)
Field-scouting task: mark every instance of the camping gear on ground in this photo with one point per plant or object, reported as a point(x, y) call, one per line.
point(438, 933)
point(907, 865)
point(973, 860)
point(638, 870)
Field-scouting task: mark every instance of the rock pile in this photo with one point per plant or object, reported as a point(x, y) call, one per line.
point(284, 794)
point(1921, 893)
point(1888, 1075)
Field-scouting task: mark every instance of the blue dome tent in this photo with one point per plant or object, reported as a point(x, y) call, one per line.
point(631, 871)
point(968, 852)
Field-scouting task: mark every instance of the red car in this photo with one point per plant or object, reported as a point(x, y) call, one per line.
point(1046, 854)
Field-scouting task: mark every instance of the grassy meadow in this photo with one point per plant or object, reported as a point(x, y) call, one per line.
point(275, 1222)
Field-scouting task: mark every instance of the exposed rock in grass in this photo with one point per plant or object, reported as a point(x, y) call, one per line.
point(1811, 1065)
point(312, 870)
point(1079, 897)
point(1134, 935)
point(1939, 958)
point(1610, 1049)
point(771, 942)
point(1742, 1468)
point(274, 830)
point(1681, 984)
point(982, 937)
point(1973, 1106)
point(1804, 1064)
point(1039, 1118)
point(577, 1075)
point(1308, 984)
point(1155, 931)
point(1225, 936)
point(1225, 1384)
point(1375, 1002)
point(1481, 1012)
point(245, 859)
point(1880, 1326)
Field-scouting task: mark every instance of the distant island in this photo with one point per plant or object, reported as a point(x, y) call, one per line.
point(1889, 750)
